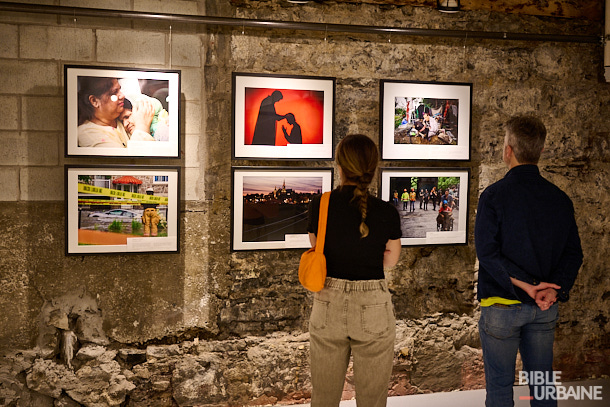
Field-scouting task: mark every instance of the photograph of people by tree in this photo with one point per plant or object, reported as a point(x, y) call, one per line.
point(425, 120)
point(431, 121)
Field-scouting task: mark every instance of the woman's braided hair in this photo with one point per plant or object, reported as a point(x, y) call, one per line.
point(357, 155)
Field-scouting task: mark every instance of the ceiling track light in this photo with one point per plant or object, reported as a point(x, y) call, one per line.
point(448, 6)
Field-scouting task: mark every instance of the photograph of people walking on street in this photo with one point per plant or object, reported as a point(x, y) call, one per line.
point(432, 204)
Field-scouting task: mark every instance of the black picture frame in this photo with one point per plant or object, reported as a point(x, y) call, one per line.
point(403, 105)
point(421, 225)
point(106, 136)
point(105, 208)
point(262, 125)
point(270, 205)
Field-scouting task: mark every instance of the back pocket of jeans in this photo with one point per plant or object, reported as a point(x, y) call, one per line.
point(376, 318)
point(500, 321)
point(319, 314)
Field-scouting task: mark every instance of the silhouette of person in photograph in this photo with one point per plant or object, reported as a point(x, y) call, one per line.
point(264, 131)
point(295, 134)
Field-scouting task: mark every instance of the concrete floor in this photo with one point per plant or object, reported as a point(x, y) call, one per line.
point(475, 398)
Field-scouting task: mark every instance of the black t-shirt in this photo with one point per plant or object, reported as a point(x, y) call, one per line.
point(348, 256)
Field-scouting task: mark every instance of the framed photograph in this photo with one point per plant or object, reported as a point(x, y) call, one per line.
point(283, 117)
point(122, 209)
point(425, 120)
point(122, 112)
point(432, 203)
point(270, 206)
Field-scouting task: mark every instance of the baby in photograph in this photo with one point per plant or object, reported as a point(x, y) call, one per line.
point(159, 127)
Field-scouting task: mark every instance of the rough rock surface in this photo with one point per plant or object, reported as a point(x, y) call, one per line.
point(246, 371)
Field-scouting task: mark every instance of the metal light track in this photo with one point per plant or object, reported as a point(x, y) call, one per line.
point(291, 25)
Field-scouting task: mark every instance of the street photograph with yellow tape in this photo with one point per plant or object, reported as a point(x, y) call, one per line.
point(118, 210)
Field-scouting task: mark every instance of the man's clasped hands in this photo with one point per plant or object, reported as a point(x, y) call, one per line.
point(544, 293)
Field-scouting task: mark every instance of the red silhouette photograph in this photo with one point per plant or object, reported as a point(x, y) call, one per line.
point(283, 117)
point(279, 117)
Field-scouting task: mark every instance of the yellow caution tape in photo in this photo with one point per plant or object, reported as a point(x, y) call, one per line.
point(125, 196)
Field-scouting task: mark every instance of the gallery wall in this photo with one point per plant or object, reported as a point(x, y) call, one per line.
point(211, 293)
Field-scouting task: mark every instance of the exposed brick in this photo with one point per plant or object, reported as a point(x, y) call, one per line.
point(193, 186)
point(10, 112)
point(29, 148)
point(191, 148)
point(186, 50)
point(169, 7)
point(190, 83)
point(9, 184)
point(106, 4)
point(192, 117)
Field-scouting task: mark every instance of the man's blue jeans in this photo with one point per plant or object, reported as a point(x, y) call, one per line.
point(504, 329)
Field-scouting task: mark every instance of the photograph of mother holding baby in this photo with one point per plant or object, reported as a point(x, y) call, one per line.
point(122, 112)
point(106, 118)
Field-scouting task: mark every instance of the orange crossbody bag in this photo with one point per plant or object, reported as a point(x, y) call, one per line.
point(312, 268)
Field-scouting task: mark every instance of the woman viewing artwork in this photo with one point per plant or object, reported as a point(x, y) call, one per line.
point(353, 313)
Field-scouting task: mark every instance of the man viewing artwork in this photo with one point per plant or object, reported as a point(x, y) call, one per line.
point(529, 258)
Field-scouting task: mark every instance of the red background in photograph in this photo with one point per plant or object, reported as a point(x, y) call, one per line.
point(307, 106)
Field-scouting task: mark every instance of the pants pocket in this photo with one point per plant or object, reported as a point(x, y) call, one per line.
point(319, 314)
point(376, 318)
point(500, 321)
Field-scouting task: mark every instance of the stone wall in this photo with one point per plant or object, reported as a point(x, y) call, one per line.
point(158, 326)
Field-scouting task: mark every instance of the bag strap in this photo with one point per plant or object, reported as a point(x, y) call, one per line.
point(322, 222)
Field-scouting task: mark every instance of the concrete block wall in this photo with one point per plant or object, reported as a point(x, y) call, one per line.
point(33, 51)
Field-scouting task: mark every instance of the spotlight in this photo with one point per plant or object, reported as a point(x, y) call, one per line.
point(448, 6)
